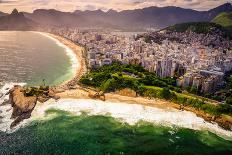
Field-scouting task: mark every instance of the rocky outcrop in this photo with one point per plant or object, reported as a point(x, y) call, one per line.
point(22, 105)
point(224, 121)
point(127, 92)
point(97, 95)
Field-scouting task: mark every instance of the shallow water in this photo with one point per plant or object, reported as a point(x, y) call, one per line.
point(29, 57)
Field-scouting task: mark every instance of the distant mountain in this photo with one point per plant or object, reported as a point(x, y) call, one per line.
point(159, 17)
point(220, 9)
point(2, 14)
point(16, 21)
point(52, 17)
point(139, 18)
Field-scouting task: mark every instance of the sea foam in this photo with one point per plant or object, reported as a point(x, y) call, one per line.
point(133, 113)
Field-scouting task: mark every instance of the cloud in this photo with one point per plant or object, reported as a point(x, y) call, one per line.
point(71, 5)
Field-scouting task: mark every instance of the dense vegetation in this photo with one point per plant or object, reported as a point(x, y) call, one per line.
point(36, 91)
point(198, 27)
point(201, 28)
point(118, 76)
point(66, 134)
point(225, 19)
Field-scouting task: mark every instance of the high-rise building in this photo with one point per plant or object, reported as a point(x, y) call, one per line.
point(164, 68)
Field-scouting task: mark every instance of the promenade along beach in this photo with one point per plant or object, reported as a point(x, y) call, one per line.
point(76, 123)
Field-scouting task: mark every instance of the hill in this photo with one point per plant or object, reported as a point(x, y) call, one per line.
point(197, 27)
point(202, 28)
point(16, 21)
point(224, 19)
point(127, 19)
point(2, 14)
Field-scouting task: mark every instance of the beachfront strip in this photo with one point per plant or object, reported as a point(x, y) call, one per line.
point(198, 60)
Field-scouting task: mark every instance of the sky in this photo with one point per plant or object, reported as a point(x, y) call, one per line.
point(71, 5)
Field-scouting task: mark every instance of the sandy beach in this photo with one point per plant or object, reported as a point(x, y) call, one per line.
point(76, 51)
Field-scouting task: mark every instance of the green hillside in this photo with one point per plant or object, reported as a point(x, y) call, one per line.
point(197, 27)
point(224, 19)
point(202, 28)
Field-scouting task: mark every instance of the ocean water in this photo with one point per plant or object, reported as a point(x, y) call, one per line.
point(29, 57)
point(65, 133)
point(91, 127)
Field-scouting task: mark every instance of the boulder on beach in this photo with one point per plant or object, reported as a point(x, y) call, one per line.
point(97, 95)
point(127, 92)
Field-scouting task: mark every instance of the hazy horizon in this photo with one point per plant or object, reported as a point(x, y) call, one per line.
point(119, 5)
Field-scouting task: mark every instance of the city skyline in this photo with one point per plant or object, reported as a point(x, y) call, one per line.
point(72, 5)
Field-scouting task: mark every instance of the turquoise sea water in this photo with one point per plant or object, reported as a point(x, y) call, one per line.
point(103, 135)
point(29, 57)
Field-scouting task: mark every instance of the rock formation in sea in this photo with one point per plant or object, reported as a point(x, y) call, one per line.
point(21, 102)
point(22, 105)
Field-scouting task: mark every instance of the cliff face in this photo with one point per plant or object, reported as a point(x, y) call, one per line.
point(22, 106)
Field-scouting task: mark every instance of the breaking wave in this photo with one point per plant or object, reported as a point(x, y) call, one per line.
point(133, 113)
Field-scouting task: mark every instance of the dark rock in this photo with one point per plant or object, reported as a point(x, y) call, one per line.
point(1, 94)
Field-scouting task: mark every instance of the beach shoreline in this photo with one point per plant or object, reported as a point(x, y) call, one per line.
point(75, 53)
point(132, 113)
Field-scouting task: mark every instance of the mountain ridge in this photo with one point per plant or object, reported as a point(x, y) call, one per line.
point(16, 21)
point(155, 17)
point(147, 17)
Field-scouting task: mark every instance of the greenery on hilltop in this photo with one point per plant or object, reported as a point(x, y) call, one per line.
point(36, 91)
point(224, 19)
point(201, 28)
point(119, 76)
point(197, 27)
